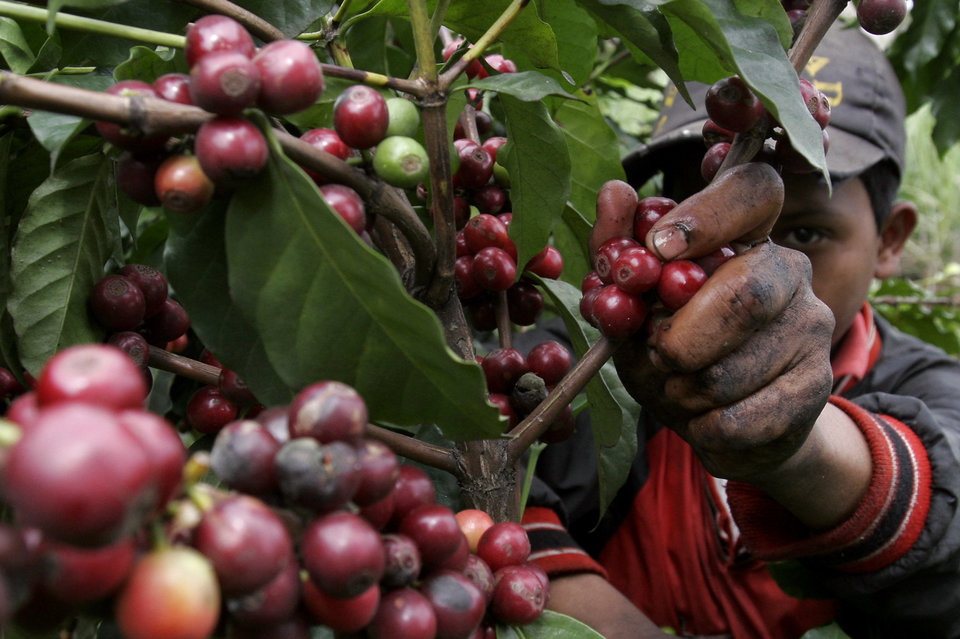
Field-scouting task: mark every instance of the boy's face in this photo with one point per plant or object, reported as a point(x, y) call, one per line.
point(840, 237)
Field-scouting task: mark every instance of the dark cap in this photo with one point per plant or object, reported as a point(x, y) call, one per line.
point(867, 110)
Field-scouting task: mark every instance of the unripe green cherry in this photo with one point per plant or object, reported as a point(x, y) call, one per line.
point(401, 161)
point(404, 117)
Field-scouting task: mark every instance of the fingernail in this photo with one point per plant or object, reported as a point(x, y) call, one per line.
point(670, 242)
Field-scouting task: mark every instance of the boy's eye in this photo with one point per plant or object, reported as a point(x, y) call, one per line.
point(799, 237)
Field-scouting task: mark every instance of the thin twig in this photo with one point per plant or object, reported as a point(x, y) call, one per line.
point(415, 449)
point(184, 366)
point(256, 25)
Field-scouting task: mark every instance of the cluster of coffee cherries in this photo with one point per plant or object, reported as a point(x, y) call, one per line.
point(733, 108)
point(135, 308)
point(478, 70)
point(89, 470)
point(518, 383)
point(379, 554)
point(212, 406)
point(486, 266)
point(228, 74)
point(878, 17)
point(631, 285)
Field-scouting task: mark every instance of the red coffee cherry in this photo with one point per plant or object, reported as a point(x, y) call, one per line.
point(347, 203)
point(174, 87)
point(679, 281)
point(124, 137)
point(636, 270)
point(181, 185)
point(880, 17)
point(548, 263)
point(151, 283)
point(504, 544)
point(117, 303)
point(231, 150)
point(524, 303)
point(92, 373)
point(290, 75)
point(519, 595)
point(326, 140)
point(502, 367)
point(713, 133)
point(217, 33)
point(817, 103)
point(342, 615)
point(476, 165)
point(494, 269)
point(550, 360)
point(360, 116)
point(473, 69)
point(342, 553)
point(224, 82)
point(616, 313)
point(649, 211)
point(208, 411)
point(732, 105)
point(328, 411)
point(135, 177)
point(166, 325)
point(607, 255)
point(713, 159)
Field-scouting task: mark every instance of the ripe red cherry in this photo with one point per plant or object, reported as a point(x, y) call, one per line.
point(502, 367)
point(732, 105)
point(173, 87)
point(404, 613)
point(494, 269)
point(117, 303)
point(135, 175)
point(519, 595)
point(403, 563)
point(247, 544)
point(151, 283)
point(817, 103)
point(524, 303)
point(181, 185)
point(328, 411)
point(679, 280)
point(83, 575)
point(290, 75)
point(243, 457)
point(467, 287)
point(502, 402)
point(224, 82)
point(124, 137)
point(167, 324)
point(235, 389)
point(379, 469)
point(319, 477)
point(413, 488)
point(713, 159)
point(208, 410)
point(550, 360)
point(607, 255)
point(713, 133)
point(165, 450)
point(504, 544)
point(548, 263)
point(498, 63)
point(93, 373)
point(636, 270)
point(173, 591)
point(216, 32)
point(342, 615)
point(458, 603)
point(347, 204)
point(342, 553)
point(476, 165)
point(649, 211)
point(486, 230)
point(360, 116)
point(231, 150)
point(79, 475)
point(616, 313)
point(473, 69)
point(590, 281)
point(325, 140)
point(272, 604)
point(435, 531)
point(880, 17)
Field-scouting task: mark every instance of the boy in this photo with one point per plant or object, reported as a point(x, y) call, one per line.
point(839, 435)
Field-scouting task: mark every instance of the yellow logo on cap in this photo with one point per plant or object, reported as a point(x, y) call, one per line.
point(833, 90)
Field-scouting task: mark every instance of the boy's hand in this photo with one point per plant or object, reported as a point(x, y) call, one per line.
point(742, 371)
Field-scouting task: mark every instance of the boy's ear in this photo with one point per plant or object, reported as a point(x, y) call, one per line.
point(893, 236)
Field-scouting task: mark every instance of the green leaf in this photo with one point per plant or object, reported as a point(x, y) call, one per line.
point(549, 625)
point(537, 160)
point(65, 237)
point(570, 236)
point(147, 65)
point(328, 307)
point(528, 86)
point(195, 262)
point(946, 132)
point(613, 413)
point(748, 44)
point(14, 48)
point(290, 16)
point(576, 34)
point(55, 130)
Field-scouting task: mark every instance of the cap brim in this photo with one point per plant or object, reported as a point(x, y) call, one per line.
point(848, 154)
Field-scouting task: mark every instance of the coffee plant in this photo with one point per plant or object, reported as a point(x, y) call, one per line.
point(261, 266)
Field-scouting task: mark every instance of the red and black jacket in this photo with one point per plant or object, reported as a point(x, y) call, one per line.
point(692, 551)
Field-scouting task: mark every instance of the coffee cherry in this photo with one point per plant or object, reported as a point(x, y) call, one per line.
point(503, 404)
point(494, 269)
point(458, 603)
point(231, 150)
point(135, 177)
point(489, 198)
point(473, 69)
point(616, 313)
point(117, 304)
point(273, 603)
point(224, 82)
point(636, 270)
point(379, 469)
point(151, 283)
point(713, 159)
point(679, 281)
point(486, 230)
point(732, 105)
point(9, 386)
point(181, 185)
point(519, 595)
point(435, 531)
point(208, 410)
point(84, 575)
point(296, 626)
point(320, 477)
point(328, 411)
point(174, 87)
point(498, 63)
point(467, 287)
point(342, 615)
point(413, 488)
point(404, 117)
point(524, 303)
point(167, 324)
point(360, 116)
point(562, 427)
point(607, 254)
point(125, 137)
point(246, 543)
point(290, 76)
point(217, 33)
point(79, 475)
point(165, 450)
point(92, 373)
point(817, 103)
point(713, 260)
point(171, 592)
point(403, 613)
point(504, 544)
point(548, 263)
point(649, 211)
point(550, 360)
point(235, 389)
point(473, 523)
point(476, 165)
point(401, 161)
point(713, 133)
point(880, 17)
point(347, 203)
point(243, 457)
point(342, 553)
point(325, 140)
point(403, 563)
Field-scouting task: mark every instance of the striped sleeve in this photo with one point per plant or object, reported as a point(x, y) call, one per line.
point(553, 548)
point(885, 525)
